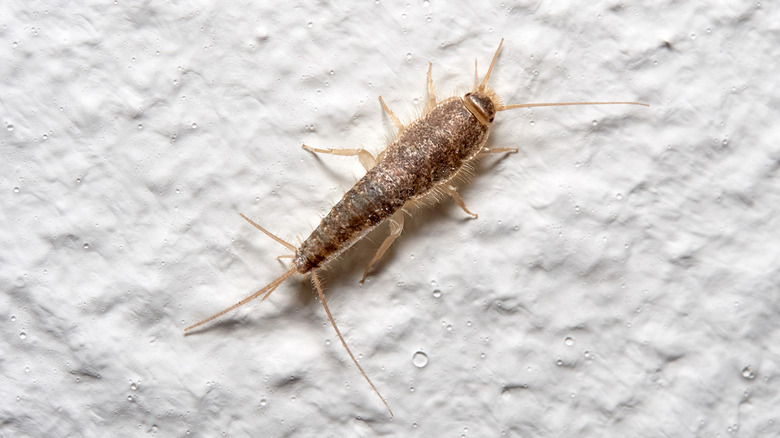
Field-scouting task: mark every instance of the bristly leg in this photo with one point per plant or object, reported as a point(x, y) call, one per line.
point(366, 159)
point(393, 117)
point(396, 227)
point(450, 189)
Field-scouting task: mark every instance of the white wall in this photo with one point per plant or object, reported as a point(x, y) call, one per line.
point(621, 279)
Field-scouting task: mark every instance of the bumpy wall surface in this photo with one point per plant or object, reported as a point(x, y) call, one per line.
point(621, 279)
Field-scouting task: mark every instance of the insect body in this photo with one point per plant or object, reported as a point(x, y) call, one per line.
point(426, 156)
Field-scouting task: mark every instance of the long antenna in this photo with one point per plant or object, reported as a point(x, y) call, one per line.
point(483, 85)
point(532, 105)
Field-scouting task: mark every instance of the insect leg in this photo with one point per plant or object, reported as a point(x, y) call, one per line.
point(396, 226)
point(458, 200)
point(431, 94)
point(392, 116)
point(318, 285)
point(366, 159)
point(497, 150)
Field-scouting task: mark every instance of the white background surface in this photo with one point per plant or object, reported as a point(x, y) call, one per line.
point(621, 279)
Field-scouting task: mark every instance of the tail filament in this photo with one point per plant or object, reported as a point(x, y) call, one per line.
point(265, 291)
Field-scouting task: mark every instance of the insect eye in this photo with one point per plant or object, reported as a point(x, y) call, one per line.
point(481, 106)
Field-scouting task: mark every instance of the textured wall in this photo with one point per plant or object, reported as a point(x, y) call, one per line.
point(621, 280)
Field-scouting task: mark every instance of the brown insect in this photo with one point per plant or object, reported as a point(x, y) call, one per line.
point(421, 163)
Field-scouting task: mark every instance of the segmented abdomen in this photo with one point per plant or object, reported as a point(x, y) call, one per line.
point(428, 152)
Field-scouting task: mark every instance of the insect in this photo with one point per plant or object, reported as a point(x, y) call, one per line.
point(421, 164)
